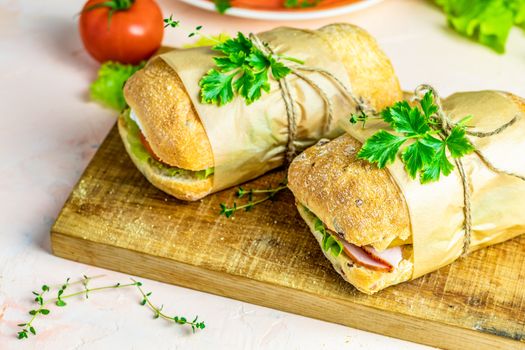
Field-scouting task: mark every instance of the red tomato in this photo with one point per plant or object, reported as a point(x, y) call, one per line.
point(130, 36)
point(148, 148)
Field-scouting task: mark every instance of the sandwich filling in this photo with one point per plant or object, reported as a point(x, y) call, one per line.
point(366, 256)
point(142, 151)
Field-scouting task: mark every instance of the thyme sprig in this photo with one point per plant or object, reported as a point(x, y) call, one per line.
point(159, 314)
point(28, 327)
point(250, 194)
point(170, 22)
point(359, 117)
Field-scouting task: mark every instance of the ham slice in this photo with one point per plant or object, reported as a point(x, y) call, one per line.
point(391, 256)
point(367, 256)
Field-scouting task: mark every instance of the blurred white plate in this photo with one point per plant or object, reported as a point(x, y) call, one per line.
point(289, 15)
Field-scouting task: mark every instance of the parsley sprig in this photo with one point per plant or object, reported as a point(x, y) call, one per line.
point(242, 69)
point(425, 148)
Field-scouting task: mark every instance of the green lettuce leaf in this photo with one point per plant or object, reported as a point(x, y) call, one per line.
point(140, 152)
point(487, 21)
point(329, 242)
point(107, 88)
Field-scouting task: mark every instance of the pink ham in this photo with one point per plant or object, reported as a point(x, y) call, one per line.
point(386, 260)
point(391, 256)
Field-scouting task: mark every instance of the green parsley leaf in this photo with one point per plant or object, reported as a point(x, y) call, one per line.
point(425, 154)
point(244, 81)
point(225, 64)
point(416, 156)
point(427, 105)
point(457, 143)
point(235, 45)
point(409, 121)
point(242, 69)
point(398, 107)
point(439, 165)
point(216, 87)
point(381, 148)
point(257, 60)
point(259, 84)
point(279, 70)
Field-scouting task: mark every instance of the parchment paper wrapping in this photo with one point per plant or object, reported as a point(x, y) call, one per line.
point(498, 201)
point(249, 140)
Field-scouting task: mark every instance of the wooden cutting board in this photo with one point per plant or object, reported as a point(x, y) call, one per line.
point(115, 219)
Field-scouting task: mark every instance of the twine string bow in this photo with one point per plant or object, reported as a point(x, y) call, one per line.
point(299, 71)
point(446, 127)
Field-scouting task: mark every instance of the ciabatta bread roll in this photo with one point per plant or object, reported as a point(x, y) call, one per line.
point(165, 121)
point(364, 208)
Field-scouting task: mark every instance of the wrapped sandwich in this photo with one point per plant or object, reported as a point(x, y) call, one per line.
point(189, 147)
point(380, 226)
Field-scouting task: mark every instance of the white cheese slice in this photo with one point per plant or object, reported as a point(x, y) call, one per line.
point(133, 117)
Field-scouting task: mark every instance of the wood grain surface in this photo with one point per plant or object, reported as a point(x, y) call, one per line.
point(115, 219)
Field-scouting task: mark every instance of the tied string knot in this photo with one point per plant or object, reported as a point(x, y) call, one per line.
point(300, 71)
point(447, 124)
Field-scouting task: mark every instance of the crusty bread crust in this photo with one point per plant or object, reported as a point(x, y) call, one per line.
point(369, 69)
point(173, 128)
point(366, 280)
point(351, 196)
point(165, 111)
point(182, 187)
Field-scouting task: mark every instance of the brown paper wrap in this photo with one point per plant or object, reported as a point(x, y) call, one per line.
point(498, 200)
point(249, 140)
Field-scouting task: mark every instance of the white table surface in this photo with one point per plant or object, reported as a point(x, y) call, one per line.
point(49, 131)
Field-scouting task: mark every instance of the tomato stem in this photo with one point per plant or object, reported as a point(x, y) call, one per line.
point(113, 5)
